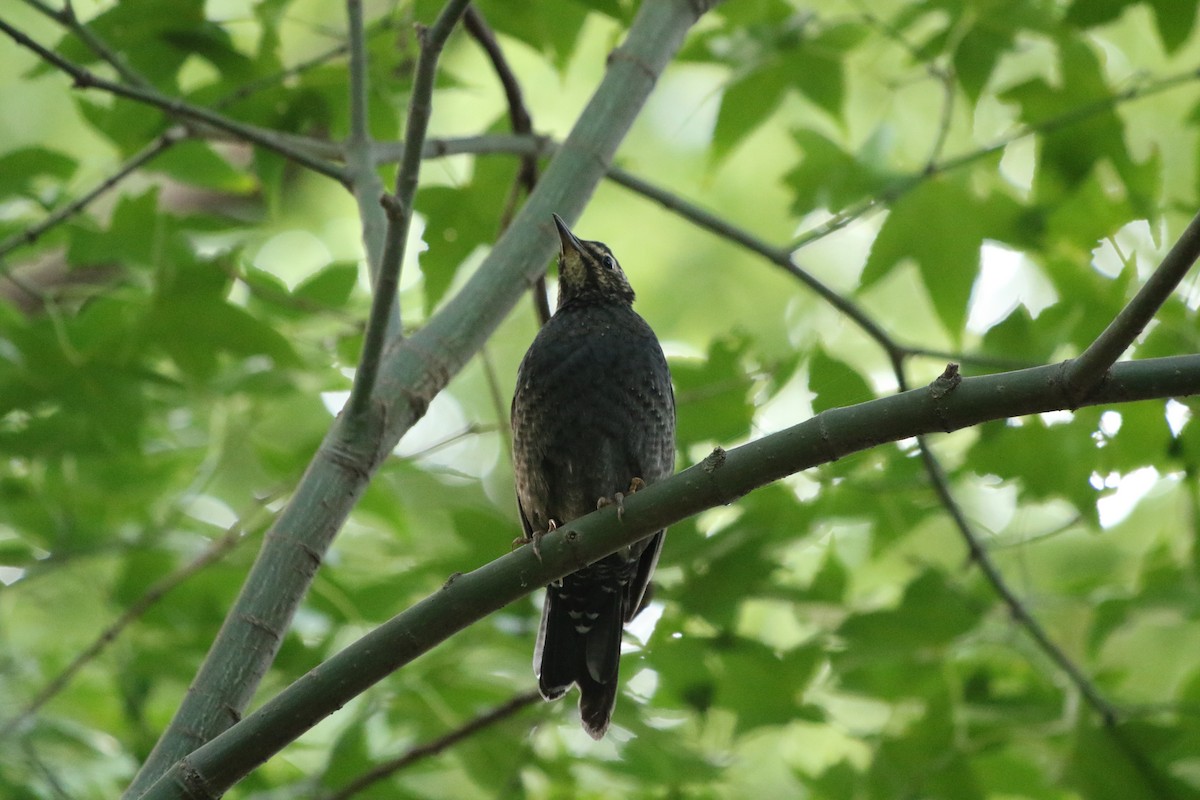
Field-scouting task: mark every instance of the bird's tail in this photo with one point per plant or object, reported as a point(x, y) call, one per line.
point(580, 642)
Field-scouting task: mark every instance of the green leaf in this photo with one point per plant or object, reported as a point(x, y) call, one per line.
point(738, 563)
point(938, 226)
point(1101, 766)
point(1175, 21)
point(816, 67)
point(458, 220)
point(712, 397)
point(746, 103)
point(828, 177)
point(16, 553)
point(131, 238)
point(1093, 13)
point(196, 163)
point(1069, 154)
point(551, 34)
point(331, 287)
point(931, 615)
point(1019, 337)
point(831, 581)
point(22, 169)
point(758, 685)
point(1049, 461)
point(835, 383)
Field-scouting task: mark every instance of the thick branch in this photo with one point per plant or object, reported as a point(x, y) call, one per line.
point(718, 480)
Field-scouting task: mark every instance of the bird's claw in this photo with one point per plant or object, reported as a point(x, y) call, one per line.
point(534, 539)
point(618, 499)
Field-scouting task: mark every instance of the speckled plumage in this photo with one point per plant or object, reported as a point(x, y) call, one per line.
point(593, 410)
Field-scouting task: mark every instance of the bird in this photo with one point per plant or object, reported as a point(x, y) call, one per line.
point(593, 419)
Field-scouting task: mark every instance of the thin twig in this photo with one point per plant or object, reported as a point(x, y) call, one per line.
point(499, 405)
point(999, 363)
point(980, 556)
point(250, 88)
point(216, 550)
point(131, 165)
point(360, 154)
point(1082, 373)
point(174, 107)
point(67, 18)
point(905, 184)
point(399, 206)
point(423, 751)
point(521, 123)
point(781, 257)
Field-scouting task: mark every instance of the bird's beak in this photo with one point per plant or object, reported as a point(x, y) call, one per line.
point(569, 240)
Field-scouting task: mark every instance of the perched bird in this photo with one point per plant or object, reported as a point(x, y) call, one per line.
point(593, 418)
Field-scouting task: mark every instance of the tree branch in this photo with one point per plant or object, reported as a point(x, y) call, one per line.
point(361, 164)
point(130, 166)
point(86, 79)
point(1016, 609)
point(1089, 367)
point(519, 120)
point(399, 207)
point(433, 748)
point(215, 551)
point(718, 480)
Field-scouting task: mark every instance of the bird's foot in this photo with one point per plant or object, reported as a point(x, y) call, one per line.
point(618, 499)
point(535, 539)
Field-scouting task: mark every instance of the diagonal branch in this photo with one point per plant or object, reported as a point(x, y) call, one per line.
point(519, 120)
point(174, 107)
point(1082, 373)
point(360, 150)
point(1016, 609)
point(399, 206)
point(437, 746)
point(68, 19)
point(131, 165)
point(718, 480)
point(233, 536)
point(780, 257)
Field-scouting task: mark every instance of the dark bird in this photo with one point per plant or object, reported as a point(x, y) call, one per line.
point(593, 418)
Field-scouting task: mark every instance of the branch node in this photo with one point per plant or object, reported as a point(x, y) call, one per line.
point(620, 54)
point(945, 383)
point(392, 205)
point(714, 460)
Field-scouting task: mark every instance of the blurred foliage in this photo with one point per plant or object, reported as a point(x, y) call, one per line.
point(1011, 171)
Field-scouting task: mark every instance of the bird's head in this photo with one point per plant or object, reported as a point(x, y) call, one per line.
point(588, 271)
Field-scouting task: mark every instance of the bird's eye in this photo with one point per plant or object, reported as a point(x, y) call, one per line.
point(609, 262)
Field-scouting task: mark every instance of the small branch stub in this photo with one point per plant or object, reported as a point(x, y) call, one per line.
point(392, 205)
point(945, 383)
